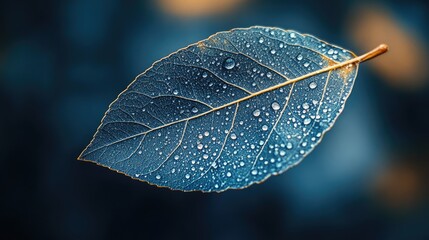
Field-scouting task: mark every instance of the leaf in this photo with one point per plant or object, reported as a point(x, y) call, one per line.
point(228, 111)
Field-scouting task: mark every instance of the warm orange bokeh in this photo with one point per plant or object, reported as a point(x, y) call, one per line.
point(404, 65)
point(400, 186)
point(198, 8)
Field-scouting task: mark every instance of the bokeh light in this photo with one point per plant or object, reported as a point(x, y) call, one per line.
point(404, 67)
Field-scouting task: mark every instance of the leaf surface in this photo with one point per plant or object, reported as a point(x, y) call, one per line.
point(226, 112)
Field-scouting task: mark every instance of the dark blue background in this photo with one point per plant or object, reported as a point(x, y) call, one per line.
point(63, 62)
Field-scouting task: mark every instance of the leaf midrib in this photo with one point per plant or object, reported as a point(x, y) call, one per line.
point(355, 60)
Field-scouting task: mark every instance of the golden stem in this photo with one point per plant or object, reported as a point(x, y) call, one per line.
point(382, 48)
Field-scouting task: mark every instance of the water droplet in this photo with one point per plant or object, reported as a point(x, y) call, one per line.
point(175, 92)
point(256, 113)
point(173, 170)
point(254, 172)
point(281, 45)
point(228, 174)
point(187, 176)
point(140, 152)
point(176, 157)
point(264, 128)
point(306, 64)
point(205, 156)
point(312, 85)
point(292, 35)
point(275, 106)
point(247, 45)
point(200, 146)
point(269, 75)
point(206, 133)
point(273, 51)
point(331, 51)
point(307, 121)
point(204, 74)
point(229, 63)
point(261, 40)
point(233, 136)
point(194, 110)
point(305, 105)
point(282, 153)
point(158, 177)
point(299, 57)
point(289, 145)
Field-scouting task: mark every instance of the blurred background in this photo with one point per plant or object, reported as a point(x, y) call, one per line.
point(63, 62)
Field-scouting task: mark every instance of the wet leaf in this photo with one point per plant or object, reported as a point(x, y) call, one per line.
point(226, 112)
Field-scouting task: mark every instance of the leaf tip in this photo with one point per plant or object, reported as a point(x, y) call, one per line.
point(81, 156)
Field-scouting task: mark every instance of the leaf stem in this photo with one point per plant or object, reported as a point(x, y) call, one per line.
point(382, 48)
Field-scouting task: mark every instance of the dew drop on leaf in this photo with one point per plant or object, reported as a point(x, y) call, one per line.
point(275, 106)
point(305, 105)
point(256, 113)
point(307, 121)
point(229, 63)
point(312, 85)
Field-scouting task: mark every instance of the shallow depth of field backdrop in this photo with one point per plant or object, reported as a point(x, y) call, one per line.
point(63, 62)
